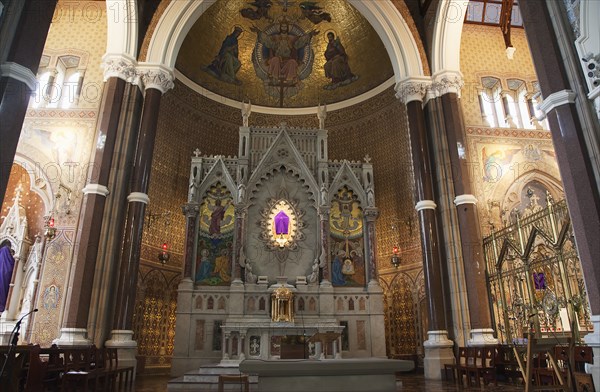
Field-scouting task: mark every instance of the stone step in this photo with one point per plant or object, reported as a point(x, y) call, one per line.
point(206, 378)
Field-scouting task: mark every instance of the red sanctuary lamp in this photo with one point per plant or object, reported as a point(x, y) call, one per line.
point(396, 256)
point(164, 255)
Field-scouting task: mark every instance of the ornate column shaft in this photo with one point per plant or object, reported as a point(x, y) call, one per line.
point(371, 215)
point(239, 257)
point(17, 75)
point(572, 153)
point(468, 217)
point(437, 347)
point(156, 81)
point(191, 211)
point(323, 258)
point(77, 308)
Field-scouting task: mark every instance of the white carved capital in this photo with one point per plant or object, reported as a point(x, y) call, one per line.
point(119, 66)
point(156, 76)
point(20, 73)
point(138, 197)
point(465, 199)
point(412, 89)
point(96, 189)
point(559, 98)
point(425, 205)
point(448, 82)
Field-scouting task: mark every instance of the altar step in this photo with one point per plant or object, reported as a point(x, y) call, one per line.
point(206, 379)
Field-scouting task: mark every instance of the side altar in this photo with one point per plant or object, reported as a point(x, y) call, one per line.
point(280, 255)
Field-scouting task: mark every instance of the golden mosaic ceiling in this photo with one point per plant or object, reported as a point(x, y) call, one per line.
point(289, 54)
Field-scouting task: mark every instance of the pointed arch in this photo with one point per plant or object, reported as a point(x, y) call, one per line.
point(294, 163)
point(217, 174)
point(346, 177)
point(179, 17)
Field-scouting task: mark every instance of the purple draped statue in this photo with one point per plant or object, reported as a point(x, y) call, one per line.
point(7, 264)
point(282, 222)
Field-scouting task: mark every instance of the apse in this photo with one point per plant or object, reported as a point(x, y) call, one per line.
point(283, 54)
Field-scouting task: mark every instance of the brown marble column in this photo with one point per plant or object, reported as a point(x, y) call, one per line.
point(156, 80)
point(371, 215)
point(77, 307)
point(468, 223)
point(438, 348)
point(572, 152)
point(18, 74)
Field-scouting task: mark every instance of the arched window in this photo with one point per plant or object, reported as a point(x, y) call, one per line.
point(60, 81)
point(491, 102)
point(38, 98)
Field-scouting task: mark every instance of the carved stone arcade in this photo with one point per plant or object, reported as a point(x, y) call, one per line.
point(24, 282)
point(281, 223)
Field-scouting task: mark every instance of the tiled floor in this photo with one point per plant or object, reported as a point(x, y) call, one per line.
point(410, 383)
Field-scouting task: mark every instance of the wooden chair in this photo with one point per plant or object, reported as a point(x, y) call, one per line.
point(235, 378)
point(53, 357)
point(36, 371)
point(13, 377)
point(79, 374)
point(119, 377)
point(457, 367)
point(481, 366)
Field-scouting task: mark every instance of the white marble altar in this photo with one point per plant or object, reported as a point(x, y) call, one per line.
point(279, 215)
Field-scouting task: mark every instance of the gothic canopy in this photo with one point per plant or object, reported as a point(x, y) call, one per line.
point(291, 54)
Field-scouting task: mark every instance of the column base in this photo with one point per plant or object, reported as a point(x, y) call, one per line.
point(482, 337)
point(72, 337)
point(593, 340)
point(5, 331)
point(374, 284)
point(126, 347)
point(325, 283)
point(237, 282)
point(186, 284)
point(438, 352)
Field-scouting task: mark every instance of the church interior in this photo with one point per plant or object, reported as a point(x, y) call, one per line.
point(197, 185)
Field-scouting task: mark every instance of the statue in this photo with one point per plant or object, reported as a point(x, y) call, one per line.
point(322, 115)
point(370, 196)
point(324, 195)
point(246, 111)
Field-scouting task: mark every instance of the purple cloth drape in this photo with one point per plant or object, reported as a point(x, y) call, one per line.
point(7, 264)
point(282, 222)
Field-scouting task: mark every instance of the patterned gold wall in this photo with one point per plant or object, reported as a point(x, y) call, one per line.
point(482, 53)
point(501, 157)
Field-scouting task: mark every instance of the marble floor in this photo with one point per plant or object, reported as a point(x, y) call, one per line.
point(409, 383)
